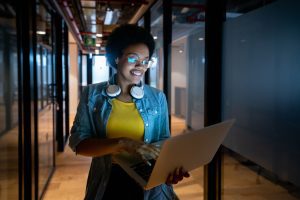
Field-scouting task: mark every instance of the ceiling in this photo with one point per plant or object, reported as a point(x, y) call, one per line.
point(91, 21)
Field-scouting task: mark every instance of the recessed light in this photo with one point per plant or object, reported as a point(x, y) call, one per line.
point(41, 32)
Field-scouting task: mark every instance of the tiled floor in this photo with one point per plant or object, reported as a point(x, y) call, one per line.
point(240, 183)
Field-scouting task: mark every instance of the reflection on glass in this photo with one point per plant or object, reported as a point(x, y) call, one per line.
point(84, 71)
point(261, 91)
point(156, 70)
point(100, 69)
point(187, 82)
point(45, 77)
point(141, 22)
point(8, 104)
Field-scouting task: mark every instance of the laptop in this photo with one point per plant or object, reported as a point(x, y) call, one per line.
point(188, 150)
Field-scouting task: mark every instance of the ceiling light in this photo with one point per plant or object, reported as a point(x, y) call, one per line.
point(155, 37)
point(41, 32)
point(108, 17)
point(99, 35)
point(185, 10)
point(200, 38)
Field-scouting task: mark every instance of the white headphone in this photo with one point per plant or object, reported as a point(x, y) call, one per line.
point(136, 91)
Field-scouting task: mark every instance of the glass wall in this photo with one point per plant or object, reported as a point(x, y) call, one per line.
point(156, 70)
point(261, 90)
point(8, 102)
point(45, 82)
point(83, 71)
point(187, 81)
point(100, 69)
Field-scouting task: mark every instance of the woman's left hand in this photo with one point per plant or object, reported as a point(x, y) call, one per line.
point(177, 176)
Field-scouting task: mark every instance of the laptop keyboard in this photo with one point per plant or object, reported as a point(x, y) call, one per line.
point(143, 169)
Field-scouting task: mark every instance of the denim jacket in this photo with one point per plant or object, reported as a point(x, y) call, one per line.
point(90, 122)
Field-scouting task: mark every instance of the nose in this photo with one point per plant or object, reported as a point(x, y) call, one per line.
point(139, 64)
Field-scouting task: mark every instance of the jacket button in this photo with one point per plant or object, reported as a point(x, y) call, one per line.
point(147, 140)
point(147, 124)
point(141, 110)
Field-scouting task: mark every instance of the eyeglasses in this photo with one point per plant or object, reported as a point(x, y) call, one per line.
point(133, 59)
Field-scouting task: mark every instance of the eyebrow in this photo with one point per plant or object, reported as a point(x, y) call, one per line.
point(147, 57)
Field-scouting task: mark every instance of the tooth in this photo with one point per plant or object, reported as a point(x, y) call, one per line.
point(138, 73)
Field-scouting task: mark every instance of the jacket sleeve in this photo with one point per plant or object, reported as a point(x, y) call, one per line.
point(164, 128)
point(81, 128)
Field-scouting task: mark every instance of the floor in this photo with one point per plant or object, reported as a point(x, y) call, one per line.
point(240, 183)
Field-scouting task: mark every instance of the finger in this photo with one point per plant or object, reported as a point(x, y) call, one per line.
point(169, 179)
point(147, 155)
point(178, 171)
point(185, 173)
point(180, 175)
point(151, 148)
point(175, 176)
point(148, 152)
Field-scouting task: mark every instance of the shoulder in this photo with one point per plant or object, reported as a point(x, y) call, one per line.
point(93, 89)
point(154, 93)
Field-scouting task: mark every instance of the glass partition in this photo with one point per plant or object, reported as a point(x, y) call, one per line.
point(9, 179)
point(261, 91)
point(45, 83)
point(100, 69)
point(156, 70)
point(187, 81)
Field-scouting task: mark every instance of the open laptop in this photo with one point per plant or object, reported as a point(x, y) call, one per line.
point(188, 150)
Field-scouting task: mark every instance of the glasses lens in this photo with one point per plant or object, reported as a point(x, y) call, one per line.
point(145, 62)
point(132, 59)
point(149, 63)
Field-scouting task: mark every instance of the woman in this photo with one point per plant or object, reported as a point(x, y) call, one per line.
point(122, 115)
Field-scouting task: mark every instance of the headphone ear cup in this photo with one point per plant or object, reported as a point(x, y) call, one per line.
point(113, 90)
point(137, 92)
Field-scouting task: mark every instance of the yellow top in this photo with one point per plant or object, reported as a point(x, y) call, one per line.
point(124, 121)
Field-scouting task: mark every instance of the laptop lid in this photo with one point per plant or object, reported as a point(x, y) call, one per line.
point(189, 150)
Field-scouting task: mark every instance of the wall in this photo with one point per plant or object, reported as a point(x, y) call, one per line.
point(74, 76)
point(261, 87)
point(179, 66)
point(196, 77)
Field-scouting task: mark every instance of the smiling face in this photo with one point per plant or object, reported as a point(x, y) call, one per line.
point(130, 72)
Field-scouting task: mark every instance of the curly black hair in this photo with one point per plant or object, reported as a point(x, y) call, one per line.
point(124, 36)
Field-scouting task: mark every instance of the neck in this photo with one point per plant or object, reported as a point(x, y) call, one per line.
point(125, 86)
point(125, 98)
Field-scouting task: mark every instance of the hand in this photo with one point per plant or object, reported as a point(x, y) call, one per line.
point(144, 151)
point(177, 176)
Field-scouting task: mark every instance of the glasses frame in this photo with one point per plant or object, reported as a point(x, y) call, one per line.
point(138, 62)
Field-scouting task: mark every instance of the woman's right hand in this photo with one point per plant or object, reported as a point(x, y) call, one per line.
point(143, 150)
